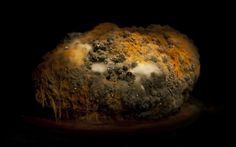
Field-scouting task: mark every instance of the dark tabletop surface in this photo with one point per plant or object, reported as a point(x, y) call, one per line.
point(208, 130)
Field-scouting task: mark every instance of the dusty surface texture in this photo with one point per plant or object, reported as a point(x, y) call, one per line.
point(112, 73)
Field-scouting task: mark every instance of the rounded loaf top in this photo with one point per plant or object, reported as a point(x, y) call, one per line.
point(112, 73)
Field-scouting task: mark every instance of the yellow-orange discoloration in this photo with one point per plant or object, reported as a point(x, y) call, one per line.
point(81, 63)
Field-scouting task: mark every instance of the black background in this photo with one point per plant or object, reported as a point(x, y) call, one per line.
point(35, 30)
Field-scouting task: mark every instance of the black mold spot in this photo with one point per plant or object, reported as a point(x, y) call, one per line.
point(125, 68)
point(134, 64)
point(130, 76)
point(153, 59)
point(98, 45)
point(95, 57)
point(112, 77)
point(122, 76)
point(110, 70)
point(118, 70)
point(165, 58)
point(110, 40)
point(119, 58)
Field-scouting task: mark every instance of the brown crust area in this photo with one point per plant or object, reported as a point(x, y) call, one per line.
point(118, 73)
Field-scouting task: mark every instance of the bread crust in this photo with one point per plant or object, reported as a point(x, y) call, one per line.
point(112, 73)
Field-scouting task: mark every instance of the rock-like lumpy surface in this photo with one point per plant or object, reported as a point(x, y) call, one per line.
point(112, 73)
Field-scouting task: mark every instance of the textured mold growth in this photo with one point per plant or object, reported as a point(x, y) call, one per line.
point(118, 73)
